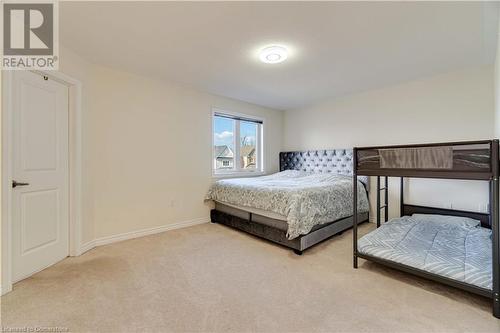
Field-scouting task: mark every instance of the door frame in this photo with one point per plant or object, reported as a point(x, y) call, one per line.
point(74, 168)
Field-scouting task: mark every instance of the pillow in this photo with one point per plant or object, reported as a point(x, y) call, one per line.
point(455, 220)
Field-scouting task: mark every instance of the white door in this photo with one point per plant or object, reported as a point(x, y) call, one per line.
point(40, 211)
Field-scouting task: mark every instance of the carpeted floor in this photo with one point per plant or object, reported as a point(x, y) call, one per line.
point(210, 278)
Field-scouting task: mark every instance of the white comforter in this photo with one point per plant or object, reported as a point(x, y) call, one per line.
point(305, 199)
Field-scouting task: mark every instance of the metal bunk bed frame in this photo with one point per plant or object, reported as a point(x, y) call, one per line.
point(490, 219)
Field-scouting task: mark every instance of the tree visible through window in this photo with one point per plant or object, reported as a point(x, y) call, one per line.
point(237, 142)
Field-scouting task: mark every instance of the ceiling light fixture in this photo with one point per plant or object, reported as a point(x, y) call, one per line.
point(273, 54)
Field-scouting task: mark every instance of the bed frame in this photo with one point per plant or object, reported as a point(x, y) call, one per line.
point(472, 160)
point(338, 161)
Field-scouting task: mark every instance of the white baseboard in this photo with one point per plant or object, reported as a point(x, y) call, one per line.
point(6, 290)
point(140, 233)
point(85, 247)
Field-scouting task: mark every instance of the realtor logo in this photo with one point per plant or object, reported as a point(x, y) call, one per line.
point(30, 35)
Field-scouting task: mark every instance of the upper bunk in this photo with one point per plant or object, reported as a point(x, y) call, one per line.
point(473, 160)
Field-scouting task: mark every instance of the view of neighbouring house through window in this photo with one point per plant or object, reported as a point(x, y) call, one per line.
point(224, 129)
point(236, 144)
point(248, 144)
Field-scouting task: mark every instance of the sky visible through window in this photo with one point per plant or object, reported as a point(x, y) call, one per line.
point(223, 132)
point(248, 131)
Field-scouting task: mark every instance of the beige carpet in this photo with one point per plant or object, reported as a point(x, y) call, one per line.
point(214, 279)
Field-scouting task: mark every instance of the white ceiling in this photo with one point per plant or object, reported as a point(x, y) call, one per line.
point(337, 47)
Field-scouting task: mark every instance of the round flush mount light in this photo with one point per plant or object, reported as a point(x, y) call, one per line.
point(273, 54)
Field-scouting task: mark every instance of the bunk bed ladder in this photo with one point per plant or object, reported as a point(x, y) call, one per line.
point(385, 207)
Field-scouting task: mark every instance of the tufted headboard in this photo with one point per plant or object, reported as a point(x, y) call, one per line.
point(335, 161)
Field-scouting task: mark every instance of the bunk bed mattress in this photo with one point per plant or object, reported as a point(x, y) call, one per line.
point(453, 247)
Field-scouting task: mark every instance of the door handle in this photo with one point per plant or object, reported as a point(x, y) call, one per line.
point(16, 184)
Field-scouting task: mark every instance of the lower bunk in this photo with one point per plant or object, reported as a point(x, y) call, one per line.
point(454, 250)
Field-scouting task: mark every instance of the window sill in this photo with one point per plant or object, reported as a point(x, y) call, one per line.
point(236, 174)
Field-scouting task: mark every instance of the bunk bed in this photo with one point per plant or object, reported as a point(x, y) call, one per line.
point(454, 247)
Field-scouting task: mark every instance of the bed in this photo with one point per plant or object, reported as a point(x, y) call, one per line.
point(455, 247)
point(308, 201)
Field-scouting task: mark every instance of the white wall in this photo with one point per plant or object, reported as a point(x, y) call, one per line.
point(450, 107)
point(147, 142)
point(147, 148)
point(497, 86)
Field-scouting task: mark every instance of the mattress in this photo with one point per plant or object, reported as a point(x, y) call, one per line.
point(304, 199)
point(454, 247)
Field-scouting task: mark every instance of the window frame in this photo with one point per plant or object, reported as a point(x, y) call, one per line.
point(237, 171)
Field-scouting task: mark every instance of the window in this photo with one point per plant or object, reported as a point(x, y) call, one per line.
point(237, 143)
